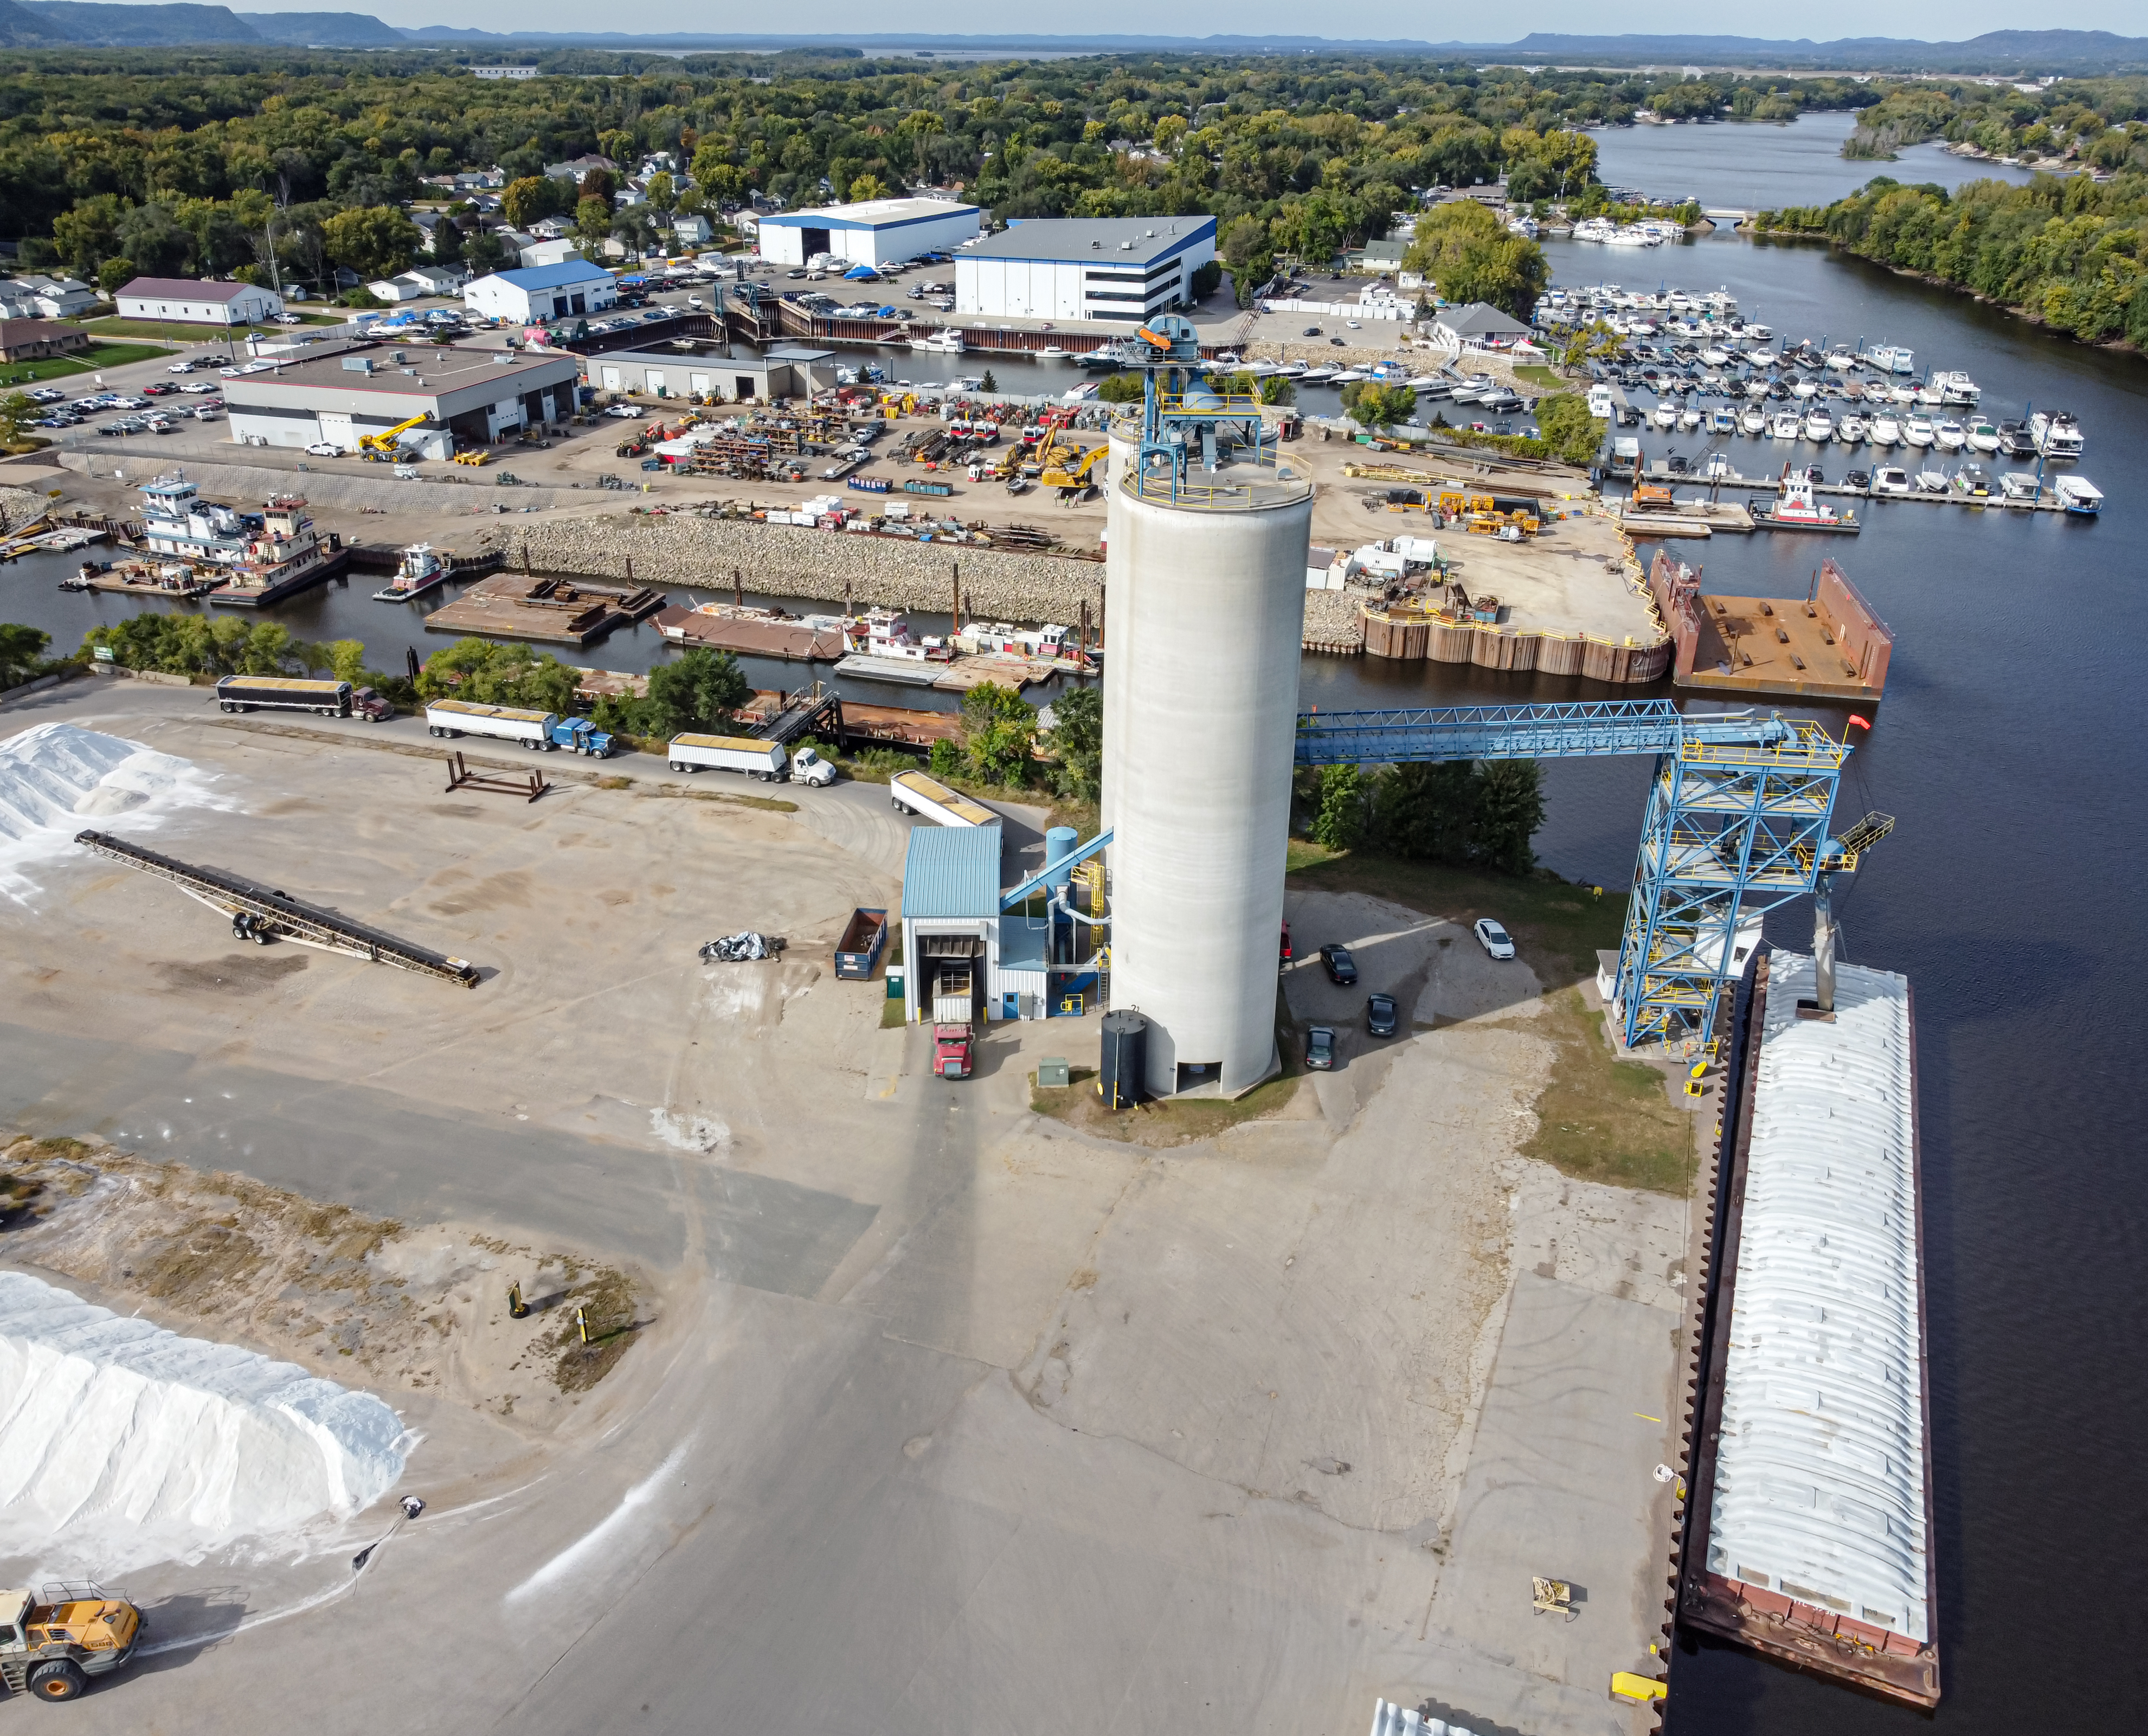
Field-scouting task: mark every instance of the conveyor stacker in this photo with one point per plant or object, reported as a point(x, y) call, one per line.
point(259, 915)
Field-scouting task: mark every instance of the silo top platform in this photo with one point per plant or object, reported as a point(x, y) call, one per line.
point(1237, 488)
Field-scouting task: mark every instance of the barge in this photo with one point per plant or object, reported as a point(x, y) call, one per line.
point(1809, 1532)
point(1829, 644)
point(557, 611)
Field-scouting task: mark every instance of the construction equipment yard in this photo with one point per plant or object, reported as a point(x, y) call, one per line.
point(925, 1410)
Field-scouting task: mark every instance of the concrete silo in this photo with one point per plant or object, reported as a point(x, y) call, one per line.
point(1205, 598)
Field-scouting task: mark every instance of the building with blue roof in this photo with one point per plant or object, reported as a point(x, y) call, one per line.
point(568, 290)
point(872, 232)
point(954, 932)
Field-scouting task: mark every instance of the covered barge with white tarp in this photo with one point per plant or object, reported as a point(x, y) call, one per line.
point(1808, 1532)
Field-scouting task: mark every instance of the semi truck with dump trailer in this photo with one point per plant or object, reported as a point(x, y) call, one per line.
point(763, 760)
point(954, 1001)
point(53, 1646)
point(277, 693)
point(859, 948)
point(915, 793)
point(951, 1050)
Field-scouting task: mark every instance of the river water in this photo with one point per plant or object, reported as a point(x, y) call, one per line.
point(2008, 749)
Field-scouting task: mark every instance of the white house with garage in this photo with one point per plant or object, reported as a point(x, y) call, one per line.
point(198, 301)
point(565, 291)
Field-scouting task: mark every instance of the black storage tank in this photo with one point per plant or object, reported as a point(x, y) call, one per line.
point(1125, 1063)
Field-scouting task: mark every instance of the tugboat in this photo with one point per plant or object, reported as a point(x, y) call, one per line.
point(885, 633)
point(262, 557)
point(1797, 510)
point(421, 570)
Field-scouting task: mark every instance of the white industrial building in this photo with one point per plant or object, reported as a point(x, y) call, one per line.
point(475, 395)
point(1123, 269)
point(952, 927)
point(565, 291)
point(196, 301)
point(873, 232)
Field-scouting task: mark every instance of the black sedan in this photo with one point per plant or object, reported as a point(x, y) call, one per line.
point(1380, 1017)
point(1340, 967)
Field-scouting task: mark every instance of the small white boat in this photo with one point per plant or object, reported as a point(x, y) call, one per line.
point(2019, 487)
point(1752, 420)
point(1756, 388)
point(1804, 388)
point(2079, 496)
point(1722, 422)
point(1052, 353)
point(1665, 415)
point(1886, 430)
point(1318, 376)
point(421, 570)
point(1919, 431)
point(1783, 425)
point(1420, 382)
point(1689, 419)
point(1293, 370)
point(1926, 397)
point(1818, 426)
point(1932, 480)
point(1888, 479)
point(1350, 377)
point(1957, 388)
point(1841, 360)
point(1984, 436)
point(1903, 393)
point(1949, 436)
point(1852, 430)
point(2056, 436)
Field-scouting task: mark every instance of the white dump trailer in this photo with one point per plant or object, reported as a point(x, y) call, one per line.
point(763, 760)
point(503, 723)
point(915, 793)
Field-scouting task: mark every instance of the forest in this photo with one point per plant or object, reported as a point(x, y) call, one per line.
point(200, 162)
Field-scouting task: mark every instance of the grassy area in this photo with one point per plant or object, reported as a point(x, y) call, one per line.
point(1601, 1119)
point(97, 357)
point(1530, 374)
point(188, 332)
point(1559, 926)
point(1183, 1120)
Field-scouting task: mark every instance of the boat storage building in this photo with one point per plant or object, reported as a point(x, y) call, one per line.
point(873, 232)
point(1121, 269)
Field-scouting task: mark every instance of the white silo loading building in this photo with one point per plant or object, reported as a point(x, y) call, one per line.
point(1205, 594)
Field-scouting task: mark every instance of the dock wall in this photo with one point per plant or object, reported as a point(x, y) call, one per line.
point(1410, 635)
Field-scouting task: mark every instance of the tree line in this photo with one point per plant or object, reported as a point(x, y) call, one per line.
point(2072, 253)
point(229, 162)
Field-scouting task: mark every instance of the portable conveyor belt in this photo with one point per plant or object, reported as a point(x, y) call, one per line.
point(259, 915)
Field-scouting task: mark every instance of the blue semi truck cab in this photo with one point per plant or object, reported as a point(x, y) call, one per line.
point(579, 735)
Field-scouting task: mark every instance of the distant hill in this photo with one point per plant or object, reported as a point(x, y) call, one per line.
point(21, 28)
point(141, 27)
point(32, 23)
point(324, 29)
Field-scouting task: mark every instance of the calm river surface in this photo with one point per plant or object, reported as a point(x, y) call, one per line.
point(2010, 747)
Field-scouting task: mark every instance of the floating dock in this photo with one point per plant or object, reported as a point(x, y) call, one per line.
point(555, 611)
point(1829, 644)
point(1808, 1532)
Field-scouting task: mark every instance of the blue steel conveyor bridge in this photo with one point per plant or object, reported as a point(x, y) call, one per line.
point(1737, 823)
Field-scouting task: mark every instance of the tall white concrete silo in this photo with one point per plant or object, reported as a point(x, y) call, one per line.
point(1205, 604)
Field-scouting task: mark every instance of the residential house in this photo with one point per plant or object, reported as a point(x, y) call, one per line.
point(555, 252)
point(34, 340)
point(1477, 324)
point(34, 297)
point(575, 169)
point(419, 282)
point(693, 231)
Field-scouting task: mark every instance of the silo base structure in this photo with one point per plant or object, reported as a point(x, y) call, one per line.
point(1205, 598)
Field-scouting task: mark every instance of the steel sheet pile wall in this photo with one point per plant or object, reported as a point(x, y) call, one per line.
point(1206, 606)
point(1813, 1537)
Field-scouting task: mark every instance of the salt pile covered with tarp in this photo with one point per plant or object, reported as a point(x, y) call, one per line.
point(122, 1444)
point(55, 776)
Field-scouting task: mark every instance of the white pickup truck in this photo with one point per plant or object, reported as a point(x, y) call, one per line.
point(763, 760)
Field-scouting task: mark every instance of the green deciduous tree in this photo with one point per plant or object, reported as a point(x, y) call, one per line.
point(1509, 808)
point(374, 241)
point(532, 199)
point(497, 674)
point(1340, 823)
point(998, 731)
point(1466, 253)
point(1076, 742)
point(699, 690)
point(22, 649)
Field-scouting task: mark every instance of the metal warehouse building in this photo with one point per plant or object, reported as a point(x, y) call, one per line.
point(952, 924)
point(478, 394)
point(1118, 268)
point(699, 369)
point(873, 232)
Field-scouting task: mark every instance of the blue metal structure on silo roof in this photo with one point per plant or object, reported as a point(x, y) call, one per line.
point(1737, 823)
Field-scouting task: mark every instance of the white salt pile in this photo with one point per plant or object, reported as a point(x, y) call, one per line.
point(55, 778)
point(122, 1443)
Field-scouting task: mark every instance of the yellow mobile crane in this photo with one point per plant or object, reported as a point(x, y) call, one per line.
point(380, 448)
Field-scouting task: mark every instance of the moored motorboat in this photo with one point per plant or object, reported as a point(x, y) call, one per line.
point(1818, 426)
point(2056, 436)
point(1886, 429)
point(1852, 430)
point(2078, 496)
point(1797, 510)
point(1752, 420)
point(1983, 435)
point(1891, 479)
point(1918, 431)
point(1949, 436)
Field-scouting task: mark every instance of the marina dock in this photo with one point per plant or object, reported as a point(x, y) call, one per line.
point(958, 676)
point(554, 611)
point(749, 632)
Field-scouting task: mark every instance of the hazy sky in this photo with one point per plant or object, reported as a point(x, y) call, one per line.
point(1821, 21)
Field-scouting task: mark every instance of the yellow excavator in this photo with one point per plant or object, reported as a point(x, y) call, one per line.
point(380, 448)
point(1068, 468)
